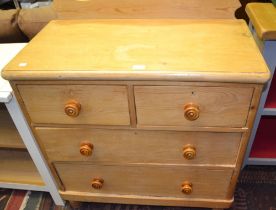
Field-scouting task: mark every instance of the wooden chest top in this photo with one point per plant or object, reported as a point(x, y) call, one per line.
point(183, 50)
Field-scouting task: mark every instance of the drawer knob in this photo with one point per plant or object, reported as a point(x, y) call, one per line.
point(72, 109)
point(191, 111)
point(97, 183)
point(86, 149)
point(187, 187)
point(189, 152)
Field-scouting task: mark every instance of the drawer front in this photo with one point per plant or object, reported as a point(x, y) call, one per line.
point(76, 104)
point(192, 106)
point(202, 182)
point(122, 146)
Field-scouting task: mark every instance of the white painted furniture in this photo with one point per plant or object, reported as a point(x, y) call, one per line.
point(264, 31)
point(7, 52)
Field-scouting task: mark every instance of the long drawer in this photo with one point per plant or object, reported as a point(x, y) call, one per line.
point(138, 146)
point(171, 181)
point(192, 106)
point(76, 104)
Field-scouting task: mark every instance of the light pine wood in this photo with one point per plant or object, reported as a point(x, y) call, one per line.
point(216, 106)
point(131, 104)
point(141, 50)
point(38, 146)
point(129, 83)
point(123, 146)
point(18, 167)
point(66, 9)
point(100, 104)
point(144, 200)
point(263, 16)
point(9, 136)
point(160, 111)
point(150, 128)
point(146, 180)
point(245, 137)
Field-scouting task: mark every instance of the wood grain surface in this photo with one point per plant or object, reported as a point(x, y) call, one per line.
point(88, 9)
point(145, 200)
point(125, 146)
point(100, 104)
point(185, 50)
point(130, 86)
point(218, 106)
point(146, 180)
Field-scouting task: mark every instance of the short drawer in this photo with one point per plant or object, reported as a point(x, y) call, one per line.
point(76, 104)
point(129, 146)
point(170, 181)
point(192, 106)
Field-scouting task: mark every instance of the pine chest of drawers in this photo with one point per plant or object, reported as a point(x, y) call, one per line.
point(142, 111)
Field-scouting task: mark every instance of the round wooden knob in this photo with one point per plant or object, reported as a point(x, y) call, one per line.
point(191, 111)
point(187, 187)
point(86, 149)
point(72, 109)
point(189, 152)
point(97, 183)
